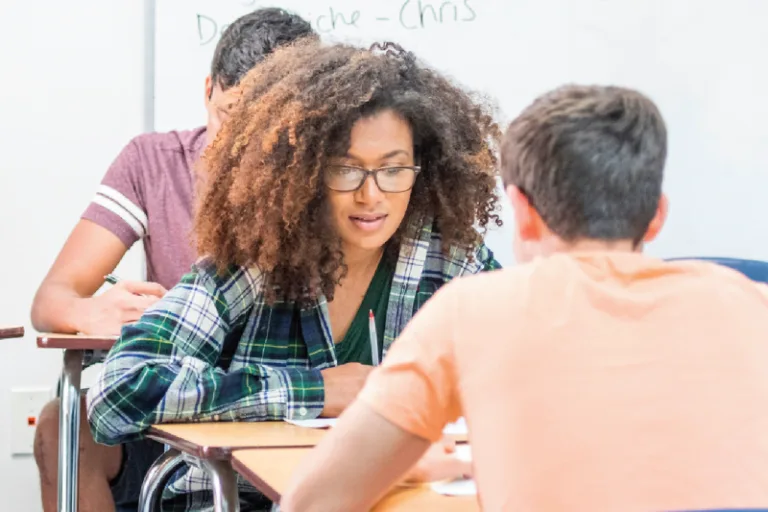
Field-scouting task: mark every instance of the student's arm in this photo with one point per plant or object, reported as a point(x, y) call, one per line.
point(64, 301)
point(403, 408)
point(163, 368)
point(368, 455)
point(112, 223)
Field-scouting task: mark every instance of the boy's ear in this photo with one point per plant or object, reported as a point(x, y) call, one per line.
point(528, 223)
point(658, 220)
point(208, 89)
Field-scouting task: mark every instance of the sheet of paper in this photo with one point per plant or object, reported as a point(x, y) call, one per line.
point(463, 452)
point(458, 428)
point(456, 488)
point(316, 423)
point(462, 487)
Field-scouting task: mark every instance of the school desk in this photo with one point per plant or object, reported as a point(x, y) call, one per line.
point(210, 445)
point(79, 350)
point(8, 331)
point(270, 471)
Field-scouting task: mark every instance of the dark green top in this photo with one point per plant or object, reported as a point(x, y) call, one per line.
point(356, 345)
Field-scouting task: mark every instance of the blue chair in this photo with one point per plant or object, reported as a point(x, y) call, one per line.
point(754, 269)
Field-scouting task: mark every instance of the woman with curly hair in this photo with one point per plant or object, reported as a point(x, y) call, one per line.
point(345, 183)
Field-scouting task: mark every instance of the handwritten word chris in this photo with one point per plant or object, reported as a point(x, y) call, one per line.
point(418, 14)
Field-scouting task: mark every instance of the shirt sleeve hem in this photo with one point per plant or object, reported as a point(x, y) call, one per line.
point(382, 409)
point(112, 223)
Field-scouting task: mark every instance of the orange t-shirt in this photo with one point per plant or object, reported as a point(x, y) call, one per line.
point(602, 381)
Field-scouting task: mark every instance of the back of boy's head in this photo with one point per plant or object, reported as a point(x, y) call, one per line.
point(250, 38)
point(590, 160)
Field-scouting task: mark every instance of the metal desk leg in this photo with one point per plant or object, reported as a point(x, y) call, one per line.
point(225, 497)
point(152, 488)
point(69, 430)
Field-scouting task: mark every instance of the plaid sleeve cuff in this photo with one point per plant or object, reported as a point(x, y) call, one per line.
point(306, 393)
point(276, 394)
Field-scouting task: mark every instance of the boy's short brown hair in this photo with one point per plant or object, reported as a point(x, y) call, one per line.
point(591, 161)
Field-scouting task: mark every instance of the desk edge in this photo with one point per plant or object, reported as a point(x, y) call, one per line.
point(13, 331)
point(72, 342)
point(206, 452)
point(190, 448)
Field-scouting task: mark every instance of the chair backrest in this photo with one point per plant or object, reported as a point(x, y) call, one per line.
point(754, 269)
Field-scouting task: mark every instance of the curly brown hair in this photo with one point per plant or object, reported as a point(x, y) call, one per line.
point(264, 202)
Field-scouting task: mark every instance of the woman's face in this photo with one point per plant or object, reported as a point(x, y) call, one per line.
point(365, 216)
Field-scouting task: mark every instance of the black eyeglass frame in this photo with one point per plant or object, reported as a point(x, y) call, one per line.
point(374, 172)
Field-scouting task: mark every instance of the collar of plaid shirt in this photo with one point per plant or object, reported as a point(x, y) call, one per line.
point(420, 271)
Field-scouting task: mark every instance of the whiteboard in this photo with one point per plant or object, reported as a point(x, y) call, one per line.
point(700, 61)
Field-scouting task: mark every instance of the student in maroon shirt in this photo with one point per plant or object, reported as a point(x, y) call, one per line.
point(148, 195)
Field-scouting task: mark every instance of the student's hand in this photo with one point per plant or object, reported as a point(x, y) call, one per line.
point(342, 384)
point(123, 303)
point(439, 462)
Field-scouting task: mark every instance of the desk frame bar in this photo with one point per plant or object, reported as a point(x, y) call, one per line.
point(69, 430)
point(224, 480)
point(158, 474)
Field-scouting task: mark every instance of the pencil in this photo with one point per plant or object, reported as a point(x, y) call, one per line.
point(374, 338)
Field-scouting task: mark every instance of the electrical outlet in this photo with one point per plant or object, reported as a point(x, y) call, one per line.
point(26, 404)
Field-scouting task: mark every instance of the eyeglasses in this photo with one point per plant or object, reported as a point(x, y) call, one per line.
point(346, 178)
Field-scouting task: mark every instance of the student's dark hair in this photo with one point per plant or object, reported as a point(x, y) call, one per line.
point(590, 159)
point(265, 202)
point(250, 38)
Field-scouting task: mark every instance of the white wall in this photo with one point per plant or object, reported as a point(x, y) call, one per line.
point(696, 59)
point(73, 93)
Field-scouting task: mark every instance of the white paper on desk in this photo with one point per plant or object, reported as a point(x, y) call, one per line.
point(459, 428)
point(456, 487)
point(316, 423)
point(461, 487)
point(463, 452)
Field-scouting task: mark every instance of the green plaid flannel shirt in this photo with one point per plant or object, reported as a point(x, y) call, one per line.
point(167, 367)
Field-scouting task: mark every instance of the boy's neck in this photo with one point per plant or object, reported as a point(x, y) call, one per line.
point(556, 245)
point(601, 246)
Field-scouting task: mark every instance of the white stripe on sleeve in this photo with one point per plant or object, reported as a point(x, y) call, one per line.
point(118, 210)
point(126, 203)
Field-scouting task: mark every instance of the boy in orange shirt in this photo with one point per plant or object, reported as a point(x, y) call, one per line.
point(592, 377)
